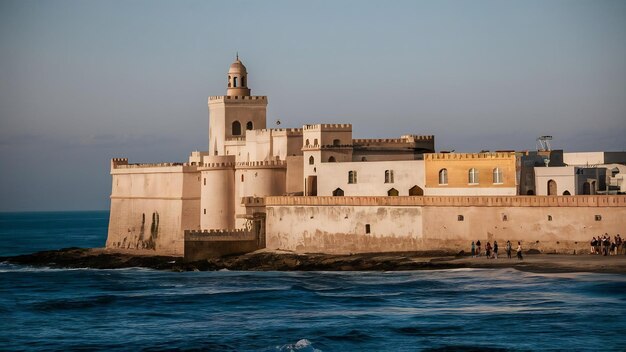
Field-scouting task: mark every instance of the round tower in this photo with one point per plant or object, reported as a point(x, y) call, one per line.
point(237, 79)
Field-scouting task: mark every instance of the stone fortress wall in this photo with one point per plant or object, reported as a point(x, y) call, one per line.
point(383, 224)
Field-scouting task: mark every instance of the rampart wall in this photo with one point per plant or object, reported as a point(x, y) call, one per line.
point(205, 244)
point(382, 224)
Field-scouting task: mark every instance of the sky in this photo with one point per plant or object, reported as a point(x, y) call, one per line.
point(82, 82)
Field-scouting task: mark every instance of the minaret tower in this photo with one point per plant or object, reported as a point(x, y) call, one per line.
point(232, 114)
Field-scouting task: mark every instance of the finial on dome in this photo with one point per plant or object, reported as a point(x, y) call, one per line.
point(237, 55)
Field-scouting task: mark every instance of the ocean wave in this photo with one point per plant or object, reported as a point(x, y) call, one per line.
point(302, 345)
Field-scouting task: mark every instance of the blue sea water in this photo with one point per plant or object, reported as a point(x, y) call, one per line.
point(140, 309)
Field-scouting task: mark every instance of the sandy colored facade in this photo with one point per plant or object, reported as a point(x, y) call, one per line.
point(329, 192)
point(380, 224)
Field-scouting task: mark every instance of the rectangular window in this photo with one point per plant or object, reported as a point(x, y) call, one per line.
point(598, 217)
point(367, 228)
point(205, 211)
point(549, 217)
point(460, 218)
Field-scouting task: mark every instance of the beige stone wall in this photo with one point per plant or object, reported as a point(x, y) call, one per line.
point(152, 205)
point(564, 176)
point(224, 110)
point(458, 166)
point(338, 224)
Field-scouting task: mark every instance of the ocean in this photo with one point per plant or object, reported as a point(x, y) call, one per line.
point(46, 309)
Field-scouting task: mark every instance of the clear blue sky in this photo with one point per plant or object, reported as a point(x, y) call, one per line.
point(84, 81)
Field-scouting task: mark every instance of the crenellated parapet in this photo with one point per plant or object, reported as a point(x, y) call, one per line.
point(261, 164)
point(253, 201)
point(220, 235)
point(287, 131)
point(468, 156)
point(329, 127)
point(117, 162)
point(327, 147)
point(216, 165)
point(457, 201)
point(241, 99)
point(408, 139)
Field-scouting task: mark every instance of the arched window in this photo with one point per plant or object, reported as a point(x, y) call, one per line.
point(443, 176)
point(315, 142)
point(307, 142)
point(497, 175)
point(566, 193)
point(336, 142)
point(416, 191)
point(472, 176)
point(351, 176)
point(235, 82)
point(338, 192)
point(331, 159)
point(552, 188)
point(392, 192)
point(311, 160)
point(236, 130)
point(388, 176)
point(243, 81)
point(249, 125)
point(241, 177)
point(229, 78)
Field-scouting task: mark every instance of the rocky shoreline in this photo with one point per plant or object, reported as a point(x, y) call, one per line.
point(98, 258)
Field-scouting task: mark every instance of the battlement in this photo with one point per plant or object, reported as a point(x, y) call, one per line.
point(455, 201)
point(327, 146)
point(235, 139)
point(288, 131)
point(220, 235)
point(465, 156)
point(406, 139)
point(218, 165)
point(117, 162)
point(265, 163)
point(238, 98)
point(336, 127)
point(253, 201)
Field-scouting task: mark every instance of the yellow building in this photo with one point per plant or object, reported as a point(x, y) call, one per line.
point(470, 173)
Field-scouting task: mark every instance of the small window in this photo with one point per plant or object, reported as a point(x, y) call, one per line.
point(497, 176)
point(243, 81)
point(307, 142)
point(235, 82)
point(367, 228)
point(336, 142)
point(249, 125)
point(505, 218)
point(331, 159)
point(393, 192)
point(351, 176)
point(315, 142)
point(443, 176)
point(549, 217)
point(236, 128)
point(598, 217)
point(311, 160)
point(204, 211)
point(241, 177)
point(460, 218)
point(472, 176)
point(388, 176)
point(363, 159)
point(205, 181)
point(338, 192)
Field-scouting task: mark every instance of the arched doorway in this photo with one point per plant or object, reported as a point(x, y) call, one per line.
point(331, 159)
point(416, 191)
point(338, 192)
point(566, 193)
point(552, 188)
point(392, 192)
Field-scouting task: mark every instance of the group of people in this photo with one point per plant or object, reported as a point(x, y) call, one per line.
point(492, 251)
point(604, 245)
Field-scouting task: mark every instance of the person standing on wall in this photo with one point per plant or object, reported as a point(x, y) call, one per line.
point(519, 251)
point(478, 248)
point(473, 249)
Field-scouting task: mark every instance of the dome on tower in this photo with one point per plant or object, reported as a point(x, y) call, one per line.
point(237, 67)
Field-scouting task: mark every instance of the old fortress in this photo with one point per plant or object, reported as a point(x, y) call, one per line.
point(318, 189)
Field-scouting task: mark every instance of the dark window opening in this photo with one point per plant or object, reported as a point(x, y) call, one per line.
point(367, 228)
point(249, 125)
point(460, 218)
point(236, 129)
